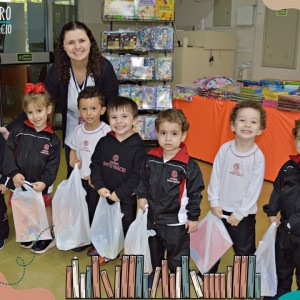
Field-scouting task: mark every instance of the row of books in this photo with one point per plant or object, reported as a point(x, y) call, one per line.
point(129, 67)
point(289, 102)
point(139, 10)
point(130, 281)
point(148, 97)
point(158, 38)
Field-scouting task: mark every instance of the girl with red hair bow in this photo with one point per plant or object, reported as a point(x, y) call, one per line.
point(32, 152)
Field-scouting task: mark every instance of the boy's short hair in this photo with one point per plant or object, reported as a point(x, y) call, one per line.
point(249, 104)
point(172, 115)
point(122, 102)
point(91, 92)
point(296, 128)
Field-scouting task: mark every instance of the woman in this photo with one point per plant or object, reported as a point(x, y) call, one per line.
point(78, 63)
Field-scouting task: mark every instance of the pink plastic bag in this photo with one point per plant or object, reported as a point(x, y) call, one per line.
point(209, 243)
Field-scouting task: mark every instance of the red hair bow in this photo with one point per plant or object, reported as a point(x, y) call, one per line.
point(35, 88)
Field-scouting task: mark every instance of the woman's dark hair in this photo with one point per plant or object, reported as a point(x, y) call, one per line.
point(62, 60)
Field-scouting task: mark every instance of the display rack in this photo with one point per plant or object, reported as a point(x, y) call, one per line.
point(142, 58)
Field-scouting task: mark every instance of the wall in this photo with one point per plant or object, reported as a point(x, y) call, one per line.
point(250, 37)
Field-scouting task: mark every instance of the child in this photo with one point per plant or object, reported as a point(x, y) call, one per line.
point(4, 226)
point(171, 185)
point(91, 107)
point(285, 199)
point(32, 153)
point(237, 177)
point(117, 159)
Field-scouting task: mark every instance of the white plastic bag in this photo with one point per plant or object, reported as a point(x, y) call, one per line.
point(136, 241)
point(209, 243)
point(70, 213)
point(29, 214)
point(107, 230)
point(266, 263)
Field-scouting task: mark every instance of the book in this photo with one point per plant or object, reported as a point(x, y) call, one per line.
point(165, 10)
point(131, 276)
point(139, 276)
point(155, 282)
point(229, 282)
point(211, 285)
point(124, 276)
point(206, 285)
point(106, 284)
point(75, 277)
point(165, 278)
point(236, 280)
point(88, 283)
point(96, 277)
point(145, 286)
point(82, 286)
point(178, 282)
point(251, 276)
point(217, 286)
point(223, 285)
point(68, 291)
point(257, 285)
point(244, 274)
point(185, 276)
point(196, 284)
point(117, 282)
point(172, 280)
point(146, 9)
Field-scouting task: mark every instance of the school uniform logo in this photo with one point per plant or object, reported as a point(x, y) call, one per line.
point(45, 149)
point(85, 146)
point(174, 177)
point(113, 164)
point(237, 170)
point(85, 143)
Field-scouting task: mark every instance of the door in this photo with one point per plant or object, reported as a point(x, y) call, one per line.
point(28, 30)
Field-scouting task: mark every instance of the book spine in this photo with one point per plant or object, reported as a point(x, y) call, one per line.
point(96, 277)
point(106, 284)
point(172, 279)
point(196, 284)
point(185, 276)
point(88, 284)
point(131, 276)
point(155, 282)
point(82, 285)
point(124, 276)
point(244, 274)
point(178, 282)
point(165, 278)
point(69, 283)
point(236, 276)
point(251, 276)
point(145, 286)
point(117, 282)
point(229, 282)
point(139, 276)
point(75, 277)
point(257, 285)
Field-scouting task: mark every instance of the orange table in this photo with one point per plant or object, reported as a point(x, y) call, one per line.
point(210, 128)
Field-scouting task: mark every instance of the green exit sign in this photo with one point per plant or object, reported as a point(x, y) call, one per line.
point(24, 57)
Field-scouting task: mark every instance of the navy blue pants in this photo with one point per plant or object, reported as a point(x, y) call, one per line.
point(4, 227)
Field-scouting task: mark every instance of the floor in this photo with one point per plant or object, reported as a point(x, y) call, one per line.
point(48, 270)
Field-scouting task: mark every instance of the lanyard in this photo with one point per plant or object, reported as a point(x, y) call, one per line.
point(76, 83)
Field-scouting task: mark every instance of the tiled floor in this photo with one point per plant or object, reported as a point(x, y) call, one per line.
point(48, 270)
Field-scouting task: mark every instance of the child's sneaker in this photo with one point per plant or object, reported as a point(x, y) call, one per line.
point(103, 260)
point(42, 246)
point(92, 251)
point(2, 243)
point(26, 245)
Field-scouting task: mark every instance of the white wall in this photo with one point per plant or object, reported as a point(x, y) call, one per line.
point(188, 15)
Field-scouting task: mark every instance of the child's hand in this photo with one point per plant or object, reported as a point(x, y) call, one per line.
point(4, 132)
point(274, 219)
point(217, 211)
point(113, 197)
point(90, 182)
point(141, 203)
point(38, 186)
point(18, 180)
point(104, 192)
point(232, 220)
point(79, 163)
point(192, 226)
point(3, 188)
